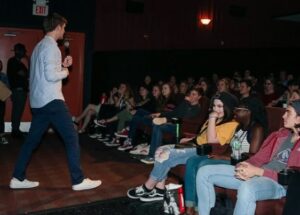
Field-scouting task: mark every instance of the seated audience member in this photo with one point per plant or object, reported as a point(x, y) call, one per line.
point(188, 108)
point(218, 129)
point(269, 94)
point(148, 82)
point(172, 81)
point(89, 112)
point(122, 99)
point(190, 82)
point(223, 85)
point(163, 103)
point(183, 89)
point(145, 102)
point(249, 134)
point(245, 88)
point(168, 97)
point(295, 95)
point(285, 98)
point(256, 178)
point(205, 85)
point(235, 87)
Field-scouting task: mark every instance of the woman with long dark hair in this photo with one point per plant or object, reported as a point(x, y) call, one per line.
point(218, 129)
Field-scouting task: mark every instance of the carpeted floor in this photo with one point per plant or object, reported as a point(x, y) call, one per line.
point(118, 206)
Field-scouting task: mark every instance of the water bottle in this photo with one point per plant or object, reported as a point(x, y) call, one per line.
point(176, 122)
point(236, 155)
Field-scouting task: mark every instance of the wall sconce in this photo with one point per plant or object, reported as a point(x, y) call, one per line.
point(205, 21)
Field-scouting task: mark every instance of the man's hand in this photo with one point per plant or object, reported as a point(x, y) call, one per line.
point(186, 139)
point(154, 115)
point(68, 61)
point(245, 171)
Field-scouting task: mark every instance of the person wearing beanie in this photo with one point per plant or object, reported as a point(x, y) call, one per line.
point(258, 110)
point(255, 179)
point(217, 131)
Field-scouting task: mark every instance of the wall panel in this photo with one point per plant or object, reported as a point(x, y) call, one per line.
point(73, 87)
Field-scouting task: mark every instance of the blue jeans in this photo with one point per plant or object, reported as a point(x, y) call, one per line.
point(140, 117)
point(171, 157)
point(248, 192)
point(191, 169)
point(157, 136)
point(57, 114)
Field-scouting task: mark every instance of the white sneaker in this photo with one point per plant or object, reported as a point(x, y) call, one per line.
point(142, 149)
point(3, 140)
point(87, 184)
point(126, 146)
point(112, 143)
point(95, 135)
point(25, 184)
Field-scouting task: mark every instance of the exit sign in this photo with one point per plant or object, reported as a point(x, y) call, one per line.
point(40, 10)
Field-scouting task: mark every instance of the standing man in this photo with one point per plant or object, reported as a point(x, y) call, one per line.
point(17, 74)
point(48, 107)
point(3, 79)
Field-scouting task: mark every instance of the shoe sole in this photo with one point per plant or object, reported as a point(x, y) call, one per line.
point(132, 197)
point(124, 149)
point(87, 188)
point(139, 153)
point(121, 135)
point(94, 137)
point(152, 199)
point(112, 145)
point(147, 162)
point(103, 140)
point(20, 187)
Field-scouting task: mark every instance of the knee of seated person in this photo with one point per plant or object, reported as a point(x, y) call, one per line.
point(204, 162)
point(192, 161)
point(204, 171)
point(246, 192)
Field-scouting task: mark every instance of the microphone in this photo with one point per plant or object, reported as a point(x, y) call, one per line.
point(66, 47)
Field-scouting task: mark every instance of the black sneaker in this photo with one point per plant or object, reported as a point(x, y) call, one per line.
point(137, 192)
point(154, 195)
point(3, 140)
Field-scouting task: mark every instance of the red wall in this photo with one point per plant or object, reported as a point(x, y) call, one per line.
point(172, 24)
point(73, 89)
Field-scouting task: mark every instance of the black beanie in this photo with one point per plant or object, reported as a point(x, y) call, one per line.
point(229, 100)
point(258, 111)
point(296, 105)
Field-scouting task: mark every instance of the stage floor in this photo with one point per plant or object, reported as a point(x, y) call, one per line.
point(116, 169)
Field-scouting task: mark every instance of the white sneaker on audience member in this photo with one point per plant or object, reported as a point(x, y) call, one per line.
point(95, 135)
point(142, 149)
point(113, 142)
point(126, 145)
point(25, 184)
point(87, 184)
point(122, 133)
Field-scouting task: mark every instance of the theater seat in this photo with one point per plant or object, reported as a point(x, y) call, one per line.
point(274, 115)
